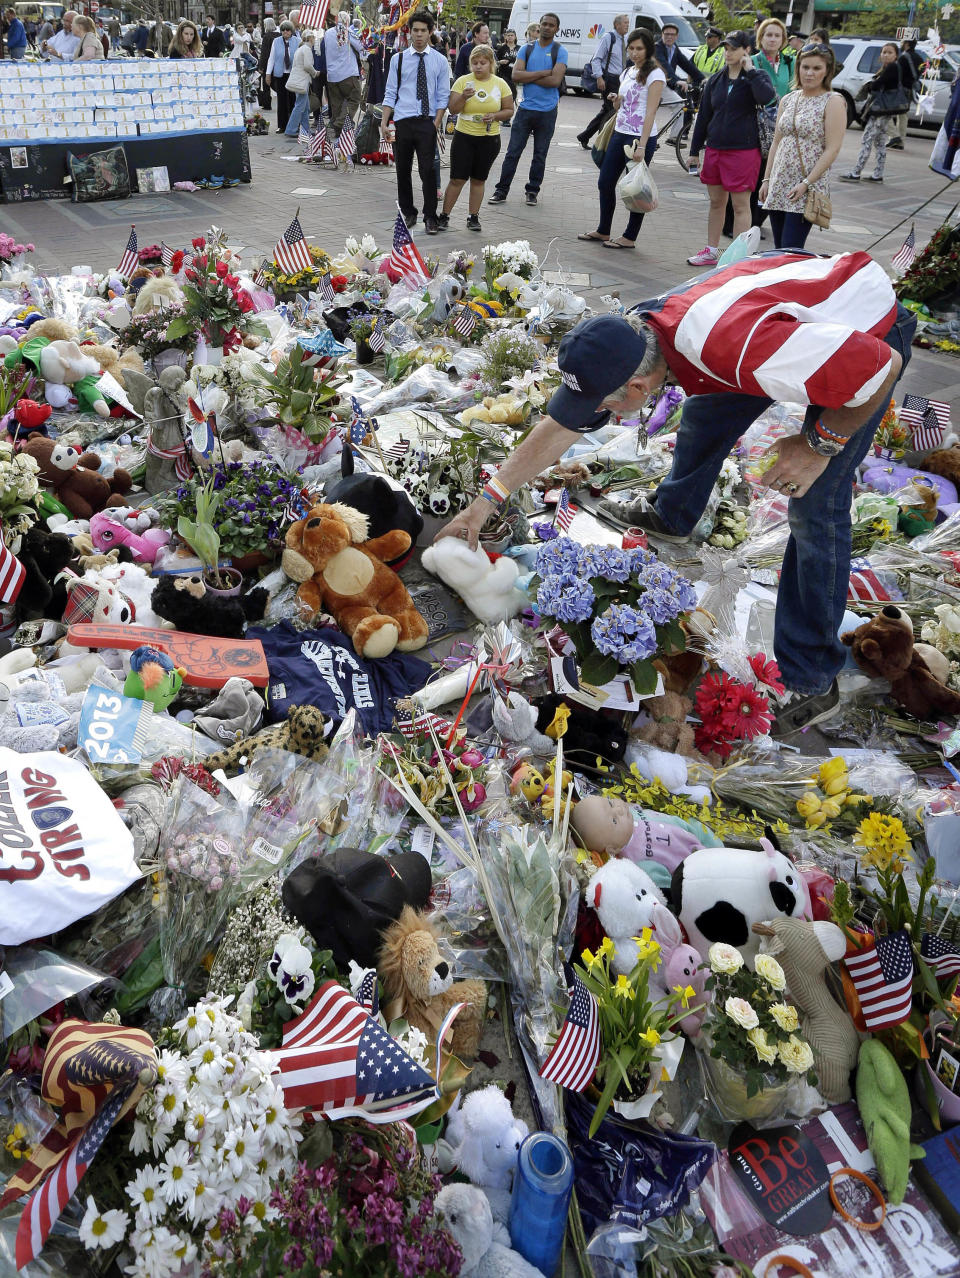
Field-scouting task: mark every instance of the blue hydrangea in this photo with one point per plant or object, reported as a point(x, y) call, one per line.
point(685, 594)
point(640, 558)
point(625, 633)
point(566, 597)
point(608, 562)
point(562, 555)
point(660, 605)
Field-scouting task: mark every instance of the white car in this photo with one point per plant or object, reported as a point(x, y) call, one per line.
point(860, 56)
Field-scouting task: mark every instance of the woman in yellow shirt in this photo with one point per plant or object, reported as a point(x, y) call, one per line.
point(480, 100)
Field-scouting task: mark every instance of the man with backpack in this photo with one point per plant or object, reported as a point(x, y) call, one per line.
point(539, 69)
point(604, 71)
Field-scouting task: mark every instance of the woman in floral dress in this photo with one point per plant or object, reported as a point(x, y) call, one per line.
point(811, 123)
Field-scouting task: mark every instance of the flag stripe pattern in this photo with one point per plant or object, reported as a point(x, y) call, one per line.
point(928, 419)
point(312, 16)
point(129, 260)
point(166, 253)
point(464, 320)
point(12, 573)
point(348, 141)
point(378, 336)
point(404, 257)
point(943, 956)
point(292, 253)
point(903, 258)
point(565, 511)
point(318, 143)
point(883, 978)
point(866, 586)
point(337, 1061)
point(573, 1059)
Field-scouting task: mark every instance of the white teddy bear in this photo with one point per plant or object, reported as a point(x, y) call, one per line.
point(623, 897)
point(485, 1245)
point(488, 589)
point(485, 1137)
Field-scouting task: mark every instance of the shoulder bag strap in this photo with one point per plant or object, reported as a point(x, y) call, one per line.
point(606, 65)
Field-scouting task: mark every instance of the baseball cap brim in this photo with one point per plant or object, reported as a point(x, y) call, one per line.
point(577, 412)
point(596, 358)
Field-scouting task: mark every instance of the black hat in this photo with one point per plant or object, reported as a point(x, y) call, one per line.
point(737, 40)
point(347, 899)
point(715, 31)
point(596, 358)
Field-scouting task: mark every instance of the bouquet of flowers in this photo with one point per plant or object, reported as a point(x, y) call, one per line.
point(830, 798)
point(18, 491)
point(944, 633)
point(507, 353)
point(216, 304)
point(634, 1026)
point(507, 267)
point(258, 503)
point(935, 269)
point(892, 435)
point(618, 607)
point(257, 124)
point(9, 248)
point(751, 1026)
point(441, 477)
point(209, 1146)
point(361, 253)
point(150, 333)
point(150, 254)
point(735, 710)
point(307, 277)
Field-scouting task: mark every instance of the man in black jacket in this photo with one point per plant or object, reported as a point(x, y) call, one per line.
point(214, 45)
point(911, 66)
point(672, 59)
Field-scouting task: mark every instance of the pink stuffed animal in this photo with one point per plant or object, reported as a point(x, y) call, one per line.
point(682, 966)
point(109, 530)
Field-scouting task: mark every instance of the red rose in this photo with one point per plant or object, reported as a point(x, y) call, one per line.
point(339, 283)
point(176, 263)
point(200, 262)
point(231, 281)
point(245, 302)
point(191, 273)
point(221, 269)
point(199, 242)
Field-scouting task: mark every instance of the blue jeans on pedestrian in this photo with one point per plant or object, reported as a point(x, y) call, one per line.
point(18, 53)
point(299, 115)
point(541, 124)
point(815, 577)
point(790, 230)
point(614, 162)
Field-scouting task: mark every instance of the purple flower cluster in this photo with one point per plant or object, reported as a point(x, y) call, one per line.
point(259, 502)
point(624, 632)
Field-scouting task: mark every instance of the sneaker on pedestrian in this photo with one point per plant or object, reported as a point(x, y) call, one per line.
point(874, 177)
point(411, 220)
point(473, 222)
point(895, 145)
point(443, 221)
point(639, 514)
point(849, 177)
point(801, 710)
point(531, 197)
point(497, 198)
point(430, 225)
point(706, 257)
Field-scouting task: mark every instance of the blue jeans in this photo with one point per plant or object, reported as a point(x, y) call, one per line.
point(541, 124)
point(299, 115)
point(815, 577)
point(17, 53)
point(790, 230)
point(614, 162)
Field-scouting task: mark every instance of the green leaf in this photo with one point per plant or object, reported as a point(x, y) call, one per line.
point(179, 326)
point(598, 669)
point(644, 677)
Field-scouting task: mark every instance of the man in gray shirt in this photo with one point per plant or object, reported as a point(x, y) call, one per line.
point(607, 67)
point(342, 50)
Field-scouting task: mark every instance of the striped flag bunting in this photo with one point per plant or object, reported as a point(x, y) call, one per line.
point(464, 320)
point(347, 144)
point(129, 261)
point(866, 585)
point(943, 956)
point(378, 336)
point(903, 258)
point(292, 253)
point(12, 572)
point(166, 253)
point(404, 257)
point(573, 1059)
point(313, 16)
point(883, 978)
point(420, 722)
point(565, 511)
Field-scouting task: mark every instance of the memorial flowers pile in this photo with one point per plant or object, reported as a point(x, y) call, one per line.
point(9, 248)
point(735, 710)
point(258, 502)
point(216, 304)
point(619, 608)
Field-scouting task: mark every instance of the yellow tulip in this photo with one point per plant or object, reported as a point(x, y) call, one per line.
point(808, 804)
point(816, 820)
point(851, 800)
point(831, 808)
point(831, 770)
point(837, 786)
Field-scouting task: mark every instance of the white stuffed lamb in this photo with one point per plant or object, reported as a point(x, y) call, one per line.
point(488, 589)
point(623, 897)
point(485, 1245)
point(485, 1137)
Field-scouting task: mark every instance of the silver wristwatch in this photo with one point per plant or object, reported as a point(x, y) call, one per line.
point(825, 447)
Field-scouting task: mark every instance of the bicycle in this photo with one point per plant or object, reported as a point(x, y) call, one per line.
point(686, 114)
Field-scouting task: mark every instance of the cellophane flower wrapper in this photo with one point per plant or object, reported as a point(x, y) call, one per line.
point(41, 978)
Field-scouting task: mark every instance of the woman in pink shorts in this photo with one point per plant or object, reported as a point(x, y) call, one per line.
point(727, 124)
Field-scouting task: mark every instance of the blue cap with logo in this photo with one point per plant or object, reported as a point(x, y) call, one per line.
point(596, 358)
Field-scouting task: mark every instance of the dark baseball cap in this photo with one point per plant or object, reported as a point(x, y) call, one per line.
point(347, 899)
point(715, 31)
point(737, 40)
point(595, 358)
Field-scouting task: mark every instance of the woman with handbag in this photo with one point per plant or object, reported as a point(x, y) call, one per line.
point(887, 97)
point(811, 123)
point(302, 75)
point(641, 87)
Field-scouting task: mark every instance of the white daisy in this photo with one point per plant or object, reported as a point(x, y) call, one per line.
point(207, 1063)
point(153, 1251)
point(144, 1194)
point(140, 1138)
point(179, 1175)
point(172, 1070)
point(102, 1229)
point(195, 1126)
point(169, 1104)
point(185, 1250)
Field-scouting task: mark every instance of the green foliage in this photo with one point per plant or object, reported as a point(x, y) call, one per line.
point(883, 17)
point(300, 397)
point(200, 534)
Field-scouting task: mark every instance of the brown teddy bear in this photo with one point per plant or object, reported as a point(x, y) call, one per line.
point(74, 477)
point(945, 462)
point(418, 983)
point(668, 728)
point(342, 573)
point(883, 647)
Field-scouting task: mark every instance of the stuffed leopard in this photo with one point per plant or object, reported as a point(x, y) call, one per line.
point(300, 733)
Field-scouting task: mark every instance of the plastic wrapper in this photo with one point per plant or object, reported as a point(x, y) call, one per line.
point(141, 811)
point(663, 1246)
point(468, 938)
point(166, 736)
point(25, 1118)
point(425, 385)
point(941, 826)
point(41, 979)
point(637, 190)
point(60, 1258)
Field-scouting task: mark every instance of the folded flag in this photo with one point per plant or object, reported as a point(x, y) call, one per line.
point(868, 586)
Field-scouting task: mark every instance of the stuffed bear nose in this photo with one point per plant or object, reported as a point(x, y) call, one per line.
point(442, 969)
point(314, 523)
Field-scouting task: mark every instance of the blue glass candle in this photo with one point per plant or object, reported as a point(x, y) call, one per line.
point(542, 1184)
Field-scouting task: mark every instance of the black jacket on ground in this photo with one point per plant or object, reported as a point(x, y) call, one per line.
point(727, 121)
point(680, 60)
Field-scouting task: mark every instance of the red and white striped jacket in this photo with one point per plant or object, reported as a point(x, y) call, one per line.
point(785, 326)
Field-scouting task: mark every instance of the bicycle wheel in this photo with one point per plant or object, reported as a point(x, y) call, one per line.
point(681, 144)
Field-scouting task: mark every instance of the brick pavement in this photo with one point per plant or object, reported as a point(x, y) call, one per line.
point(335, 204)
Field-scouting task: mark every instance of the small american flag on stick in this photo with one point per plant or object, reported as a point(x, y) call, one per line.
point(292, 253)
point(12, 573)
point(313, 16)
point(573, 1059)
point(129, 260)
point(404, 257)
point(882, 975)
point(464, 320)
point(565, 511)
point(166, 253)
point(347, 144)
point(378, 336)
point(903, 258)
point(318, 143)
point(325, 288)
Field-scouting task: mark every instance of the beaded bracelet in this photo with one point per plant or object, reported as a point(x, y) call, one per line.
point(822, 431)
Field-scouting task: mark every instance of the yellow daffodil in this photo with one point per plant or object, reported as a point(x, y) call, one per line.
point(623, 988)
point(684, 995)
point(606, 947)
point(650, 1036)
point(589, 960)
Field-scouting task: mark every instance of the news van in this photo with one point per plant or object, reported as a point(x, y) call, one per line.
point(583, 25)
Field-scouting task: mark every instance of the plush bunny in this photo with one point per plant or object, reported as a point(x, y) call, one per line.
point(624, 898)
point(681, 968)
point(484, 1137)
point(488, 589)
point(485, 1246)
point(516, 721)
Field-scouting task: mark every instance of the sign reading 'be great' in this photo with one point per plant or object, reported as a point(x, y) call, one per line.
point(64, 850)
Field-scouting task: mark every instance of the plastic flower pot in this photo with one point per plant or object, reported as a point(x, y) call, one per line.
point(727, 1090)
point(947, 1102)
point(235, 579)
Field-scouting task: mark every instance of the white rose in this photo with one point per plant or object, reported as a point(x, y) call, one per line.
point(785, 1016)
point(765, 1050)
point(740, 1011)
point(771, 971)
point(796, 1055)
point(725, 958)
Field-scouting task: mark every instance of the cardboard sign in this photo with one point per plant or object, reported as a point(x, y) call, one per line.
point(64, 850)
point(784, 1176)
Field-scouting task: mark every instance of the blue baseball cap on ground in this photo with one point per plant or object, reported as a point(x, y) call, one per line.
point(595, 358)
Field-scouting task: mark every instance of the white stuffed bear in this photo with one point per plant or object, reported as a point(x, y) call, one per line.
point(484, 1137)
point(486, 1246)
point(623, 897)
point(488, 589)
point(61, 365)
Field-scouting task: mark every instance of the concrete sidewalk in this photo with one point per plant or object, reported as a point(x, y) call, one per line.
point(335, 204)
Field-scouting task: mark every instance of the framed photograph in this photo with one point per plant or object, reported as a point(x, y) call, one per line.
point(152, 180)
point(18, 157)
point(948, 1068)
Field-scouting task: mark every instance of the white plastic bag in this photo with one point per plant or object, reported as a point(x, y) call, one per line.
point(637, 189)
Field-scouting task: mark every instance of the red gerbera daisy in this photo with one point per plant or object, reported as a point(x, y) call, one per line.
point(710, 741)
point(767, 672)
point(715, 696)
point(750, 716)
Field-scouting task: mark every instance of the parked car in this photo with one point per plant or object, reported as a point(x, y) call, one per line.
point(860, 56)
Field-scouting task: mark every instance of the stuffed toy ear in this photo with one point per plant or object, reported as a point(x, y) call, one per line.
point(871, 650)
point(849, 638)
point(294, 536)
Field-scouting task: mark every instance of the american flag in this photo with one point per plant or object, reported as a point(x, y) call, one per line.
point(573, 1059)
point(292, 253)
point(441, 141)
point(420, 722)
point(318, 143)
point(12, 573)
point(385, 148)
point(565, 511)
point(325, 288)
point(260, 279)
point(348, 141)
point(303, 137)
point(336, 1060)
point(313, 16)
point(378, 335)
point(404, 257)
point(903, 258)
point(464, 320)
point(866, 586)
point(883, 978)
point(360, 425)
point(166, 253)
point(943, 956)
point(368, 993)
point(129, 261)
point(397, 452)
point(928, 419)
point(929, 434)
